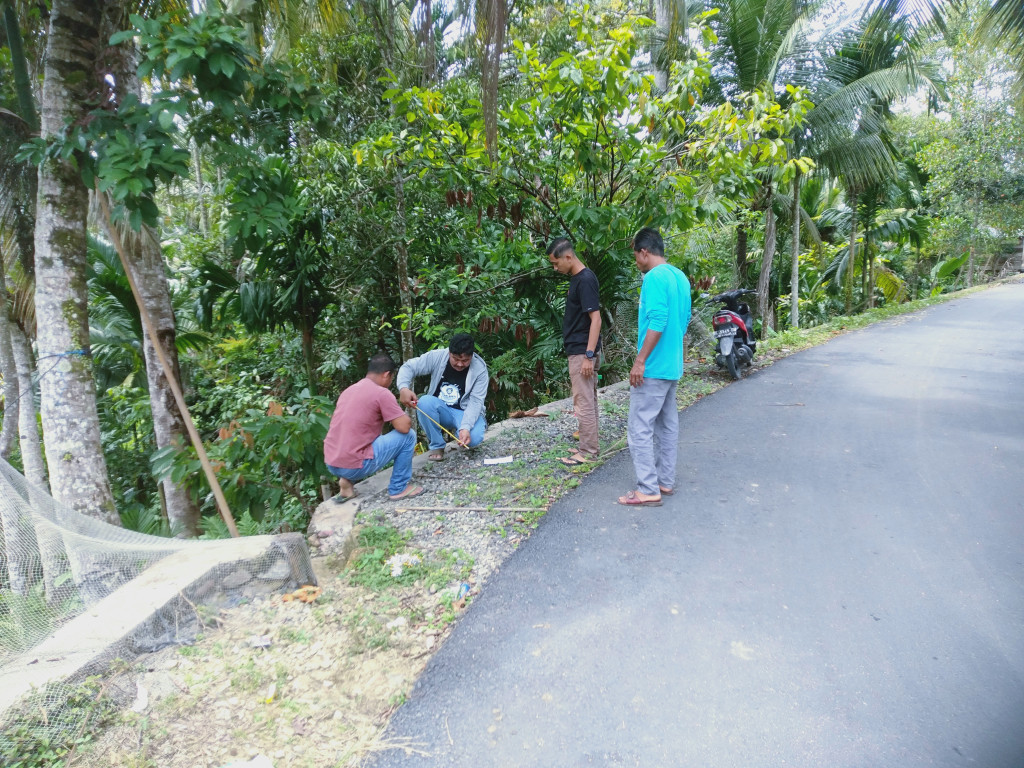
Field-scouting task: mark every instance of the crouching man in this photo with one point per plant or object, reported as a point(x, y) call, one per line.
point(355, 448)
point(455, 397)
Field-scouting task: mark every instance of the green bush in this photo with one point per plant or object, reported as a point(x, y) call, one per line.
point(52, 723)
point(269, 466)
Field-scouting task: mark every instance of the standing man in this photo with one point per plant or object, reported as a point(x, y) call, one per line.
point(581, 337)
point(355, 448)
point(653, 428)
point(455, 397)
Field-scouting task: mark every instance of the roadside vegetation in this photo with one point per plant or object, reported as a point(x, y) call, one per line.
point(335, 669)
point(294, 191)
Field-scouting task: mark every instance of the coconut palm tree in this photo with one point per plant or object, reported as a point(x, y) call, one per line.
point(78, 471)
point(762, 46)
point(875, 62)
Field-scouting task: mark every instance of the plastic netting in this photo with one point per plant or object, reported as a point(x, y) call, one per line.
point(56, 563)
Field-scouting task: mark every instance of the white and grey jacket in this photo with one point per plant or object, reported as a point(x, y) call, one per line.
point(433, 364)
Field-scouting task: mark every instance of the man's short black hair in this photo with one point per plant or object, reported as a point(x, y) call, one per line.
point(380, 363)
point(462, 344)
point(650, 240)
point(559, 246)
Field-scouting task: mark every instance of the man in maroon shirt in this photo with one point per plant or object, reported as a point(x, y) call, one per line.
point(355, 448)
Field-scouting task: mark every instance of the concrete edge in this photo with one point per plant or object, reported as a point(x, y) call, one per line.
point(163, 597)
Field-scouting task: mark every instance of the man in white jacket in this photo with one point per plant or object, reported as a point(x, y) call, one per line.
point(455, 397)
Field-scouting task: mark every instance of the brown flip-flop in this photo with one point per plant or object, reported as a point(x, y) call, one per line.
point(408, 493)
point(436, 455)
point(577, 459)
point(632, 499)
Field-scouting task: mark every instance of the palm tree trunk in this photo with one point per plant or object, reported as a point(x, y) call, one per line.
point(32, 460)
point(764, 302)
point(850, 260)
point(741, 255)
point(204, 216)
point(659, 34)
point(71, 430)
point(307, 354)
point(149, 270)
point(794, 274)
point(22, 82)
point(428, 43)
point(974, 241)
point(9, 371)
point(402, 264)
point(869, 267)
point(401, 251)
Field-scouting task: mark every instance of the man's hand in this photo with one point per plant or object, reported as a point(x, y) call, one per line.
point(636, 373)
point(587, 368)
point(464, 438)
point(407, 397)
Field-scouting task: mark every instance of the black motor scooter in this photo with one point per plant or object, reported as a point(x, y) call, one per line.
point(734, 331)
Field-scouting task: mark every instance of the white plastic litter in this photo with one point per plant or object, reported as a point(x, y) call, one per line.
point(398, 562)
point(499, 460)
point(260, 761)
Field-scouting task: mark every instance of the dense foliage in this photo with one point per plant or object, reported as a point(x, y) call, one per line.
point(353, 187)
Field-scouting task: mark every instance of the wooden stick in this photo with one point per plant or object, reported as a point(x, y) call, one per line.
point(179, 398)
point(471, 509)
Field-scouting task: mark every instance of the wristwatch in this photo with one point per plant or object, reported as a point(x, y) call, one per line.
point(590, 354)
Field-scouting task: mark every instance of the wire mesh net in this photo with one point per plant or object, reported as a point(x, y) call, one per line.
point(57, 564)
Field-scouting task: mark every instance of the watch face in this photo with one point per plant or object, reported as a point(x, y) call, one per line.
point(589, 354)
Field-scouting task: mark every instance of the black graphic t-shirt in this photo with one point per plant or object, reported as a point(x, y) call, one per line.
point(452, 386)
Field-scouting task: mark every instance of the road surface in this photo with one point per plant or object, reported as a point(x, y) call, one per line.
point(838, 581)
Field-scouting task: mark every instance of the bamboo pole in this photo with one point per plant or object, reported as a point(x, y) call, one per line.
point(179, 398)
point(471, 509)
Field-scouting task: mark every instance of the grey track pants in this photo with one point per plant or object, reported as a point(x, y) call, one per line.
point(653, 434)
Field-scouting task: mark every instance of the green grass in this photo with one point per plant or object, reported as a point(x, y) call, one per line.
point(366, 630)
point(54, 722)
point(793, 340)
point(295, 635)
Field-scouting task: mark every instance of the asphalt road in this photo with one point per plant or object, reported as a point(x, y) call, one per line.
point(838, 581)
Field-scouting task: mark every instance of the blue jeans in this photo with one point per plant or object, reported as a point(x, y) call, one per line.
point(449, 418)
point(394, 446)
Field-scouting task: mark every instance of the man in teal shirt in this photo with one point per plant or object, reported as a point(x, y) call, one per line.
point(653, 427)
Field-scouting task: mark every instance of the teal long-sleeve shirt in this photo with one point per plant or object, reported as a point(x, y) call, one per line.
point(664, 307)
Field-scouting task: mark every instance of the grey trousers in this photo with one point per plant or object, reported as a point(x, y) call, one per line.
point(653, 434)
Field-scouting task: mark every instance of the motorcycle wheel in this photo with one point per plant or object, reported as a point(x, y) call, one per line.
point(733, 365)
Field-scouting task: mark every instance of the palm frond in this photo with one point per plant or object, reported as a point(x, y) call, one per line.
point(861, 161)
point(893, 287)
point(1003, 26)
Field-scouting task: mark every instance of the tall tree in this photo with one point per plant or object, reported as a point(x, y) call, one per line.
point(9, 372)
point(71, 433)
point(32, 461)
point(758, 38)
point(146, 260)
point(974, 157)
point(873, 64)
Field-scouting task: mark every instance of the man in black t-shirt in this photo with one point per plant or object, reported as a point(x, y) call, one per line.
point(581, 337)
